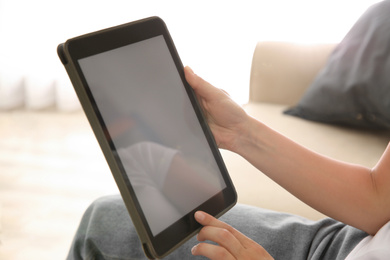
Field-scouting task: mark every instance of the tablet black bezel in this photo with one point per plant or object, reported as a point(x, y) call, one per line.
point(94, 43)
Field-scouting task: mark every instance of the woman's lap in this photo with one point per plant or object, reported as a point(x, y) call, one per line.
point(106, 232)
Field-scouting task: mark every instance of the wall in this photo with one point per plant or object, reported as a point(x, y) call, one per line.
point(216, 38)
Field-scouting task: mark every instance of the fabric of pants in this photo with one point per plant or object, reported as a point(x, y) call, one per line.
point(106, 232)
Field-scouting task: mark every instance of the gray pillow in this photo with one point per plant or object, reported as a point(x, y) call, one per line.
point(354, 86)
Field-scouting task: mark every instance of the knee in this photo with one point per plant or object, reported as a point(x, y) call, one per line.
point(105, 210)
point(105, 228)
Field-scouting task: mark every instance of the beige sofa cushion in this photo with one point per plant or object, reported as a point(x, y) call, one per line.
point(282, 71)
point(343, 143)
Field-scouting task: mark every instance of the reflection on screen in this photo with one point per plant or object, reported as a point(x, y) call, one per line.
point(154, 129)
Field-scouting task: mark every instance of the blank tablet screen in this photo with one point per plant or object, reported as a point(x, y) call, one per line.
point(155, 133)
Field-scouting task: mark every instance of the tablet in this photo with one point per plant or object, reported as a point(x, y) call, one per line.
point(150, 127)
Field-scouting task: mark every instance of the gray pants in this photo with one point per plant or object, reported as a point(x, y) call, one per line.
point(106, 232)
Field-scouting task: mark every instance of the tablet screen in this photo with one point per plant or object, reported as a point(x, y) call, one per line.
point(154, 131)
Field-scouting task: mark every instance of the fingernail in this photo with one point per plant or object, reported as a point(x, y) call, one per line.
point(199, 216)
point(190, 70)
point(193, 250)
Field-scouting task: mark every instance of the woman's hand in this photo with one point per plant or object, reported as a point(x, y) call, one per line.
point(231, 243)
point(226, 118)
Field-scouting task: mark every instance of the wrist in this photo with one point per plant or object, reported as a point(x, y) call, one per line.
point(248, 136)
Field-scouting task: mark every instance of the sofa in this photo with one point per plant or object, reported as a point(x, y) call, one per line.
point(281, 72)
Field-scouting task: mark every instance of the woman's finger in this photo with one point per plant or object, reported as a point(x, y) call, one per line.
point(208, 220)
point(202, 88)
point(222, 237)
point(211, 251)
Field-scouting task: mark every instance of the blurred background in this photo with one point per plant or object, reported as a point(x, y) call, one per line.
point(216, 38)
point(51, 167)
